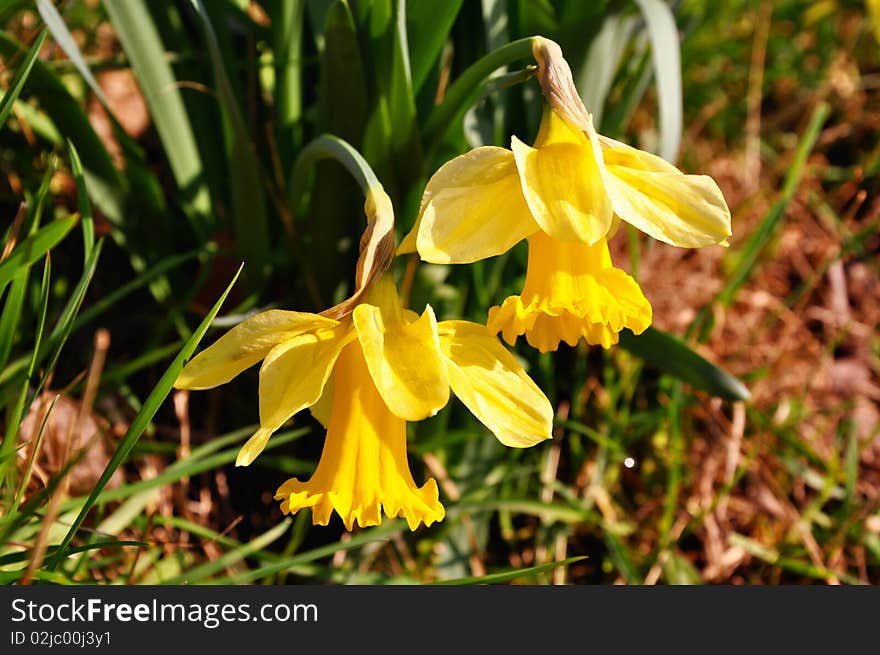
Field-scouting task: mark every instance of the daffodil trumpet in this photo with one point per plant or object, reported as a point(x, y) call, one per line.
point(565, 194)
point(364, 368)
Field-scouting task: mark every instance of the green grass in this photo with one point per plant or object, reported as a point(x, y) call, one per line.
point(734, 442)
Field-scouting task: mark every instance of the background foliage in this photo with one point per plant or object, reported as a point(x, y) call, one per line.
point(153, 143)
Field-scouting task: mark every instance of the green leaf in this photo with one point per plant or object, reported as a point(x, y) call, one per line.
point(233, 556)
point(12, 313)
point(246, 182)
point(69, 117)
point(144, 49)
point(368, 536)
point(428, 23)
point(467, 87)
point(142, 420)
point(34, 247)
point(666, 55)
point(762, 235)
point(21, 76)
point(674, 357)
point(602, 61)
point(55, 24)
point(54, 345)
point(287, 30)
point(82, 197)
point(513, 574)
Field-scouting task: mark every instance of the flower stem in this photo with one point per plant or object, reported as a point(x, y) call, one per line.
point(462, 92)
point(328, 146)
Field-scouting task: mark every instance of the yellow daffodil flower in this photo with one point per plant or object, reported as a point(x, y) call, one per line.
point(565, 194)
point(365, 368)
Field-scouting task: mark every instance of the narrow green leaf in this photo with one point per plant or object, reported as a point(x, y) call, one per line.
point(82, 198)
point(370, 535)
point(466, 88)
point(674, 357)
point(622, 560)
point(142, 420)
point(53, 347)
point(23, 556)
point(21, 76)
point(26, 475)
point(144, 49)
point(762, 235)
point(34, 247)
point(513, 574)
point(678, 570)
point(153, 273)
point(603, 59)
point(55, 24)
point(287, 29)
point(11, 315)
point(246, 182)
point(666, 55)
point(233, 556)
point(428, 23)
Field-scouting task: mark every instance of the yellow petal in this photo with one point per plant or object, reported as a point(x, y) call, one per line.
point(245, 345)
point(403, 356)
point(492, 384)
point(292, 378)
point(254, 446)
point(321, 409)
point(562, 182)
point(657, 198)
point(363, 469)
point(472, 209)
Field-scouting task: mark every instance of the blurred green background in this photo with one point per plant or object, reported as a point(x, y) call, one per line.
point(171, 130)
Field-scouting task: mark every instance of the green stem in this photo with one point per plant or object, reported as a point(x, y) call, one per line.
point(328, 146)
point(460, 94)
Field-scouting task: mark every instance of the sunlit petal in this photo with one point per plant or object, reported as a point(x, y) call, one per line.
point(292, 378)
point(472, 208)
point(492, 384)
point(563, 184)
point(657, 198)
point(403, 356)
point(245, 345)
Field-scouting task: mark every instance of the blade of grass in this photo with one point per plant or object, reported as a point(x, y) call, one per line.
point(21, 76)
point(82, 198)
point(761, 236)
point(233, 556)
point(26, 476)
point(513, 574)
point(63, 37)
point(140, 422)
point(370, 535)
point(158, 270)
point(34, 247)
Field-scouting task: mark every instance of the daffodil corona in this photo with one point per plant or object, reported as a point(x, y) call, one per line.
point(365, 368)
point(565, 194)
